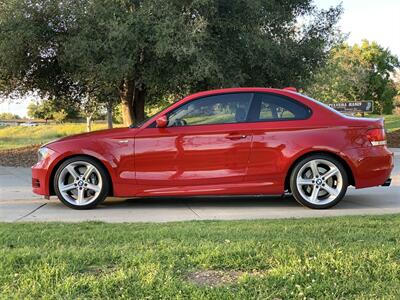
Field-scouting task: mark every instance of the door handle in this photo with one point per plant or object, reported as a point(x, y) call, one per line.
point(236, 136)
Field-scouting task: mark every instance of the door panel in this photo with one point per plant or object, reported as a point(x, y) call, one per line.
point(192, 155)
point(278, 128)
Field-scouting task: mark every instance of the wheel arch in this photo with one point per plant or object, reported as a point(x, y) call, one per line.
point(345, 164)
point(58, 164)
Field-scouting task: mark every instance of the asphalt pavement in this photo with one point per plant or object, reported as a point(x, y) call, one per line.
point(19, 204)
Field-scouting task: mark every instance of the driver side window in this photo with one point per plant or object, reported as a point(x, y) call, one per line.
point(218, 109)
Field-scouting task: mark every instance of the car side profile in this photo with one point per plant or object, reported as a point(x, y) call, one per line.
point(238, 141)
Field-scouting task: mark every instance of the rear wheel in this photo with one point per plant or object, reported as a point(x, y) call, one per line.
point(319, 181)
point(81, 183)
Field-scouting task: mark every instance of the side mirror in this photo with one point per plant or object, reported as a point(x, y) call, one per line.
point(162, 122)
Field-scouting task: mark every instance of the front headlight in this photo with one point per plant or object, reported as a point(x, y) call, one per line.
point(44, 153)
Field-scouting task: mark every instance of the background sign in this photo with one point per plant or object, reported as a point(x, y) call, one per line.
point(359, 106)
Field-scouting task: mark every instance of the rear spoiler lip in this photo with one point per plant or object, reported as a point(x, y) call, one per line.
point(377, 123)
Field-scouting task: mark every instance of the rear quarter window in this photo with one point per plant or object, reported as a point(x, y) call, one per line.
point(273, 107)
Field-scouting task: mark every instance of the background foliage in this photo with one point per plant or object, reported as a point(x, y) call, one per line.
point(141, 51)
point(358, 72)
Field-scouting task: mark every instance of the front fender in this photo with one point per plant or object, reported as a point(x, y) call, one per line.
point(116, 158)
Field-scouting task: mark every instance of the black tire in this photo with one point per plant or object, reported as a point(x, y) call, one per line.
point(299, 195)
point(102, 173)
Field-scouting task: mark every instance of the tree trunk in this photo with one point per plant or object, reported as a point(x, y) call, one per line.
point(132, 100)
point(138, 104)
point(89, 123)
point(109, 116)
point(126, 96)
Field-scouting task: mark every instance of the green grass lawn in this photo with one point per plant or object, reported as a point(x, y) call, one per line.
point(19, 136)
point(330, 258)
point(392, 122)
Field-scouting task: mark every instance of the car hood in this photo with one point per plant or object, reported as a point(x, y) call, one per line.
point(98, 134)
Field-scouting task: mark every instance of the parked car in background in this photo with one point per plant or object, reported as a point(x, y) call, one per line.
point(240, 141)
point(29, 124)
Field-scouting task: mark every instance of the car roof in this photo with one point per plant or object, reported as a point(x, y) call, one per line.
point(233, 90)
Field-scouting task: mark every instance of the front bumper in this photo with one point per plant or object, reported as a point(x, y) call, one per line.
point(40, 184)
point(41, 175)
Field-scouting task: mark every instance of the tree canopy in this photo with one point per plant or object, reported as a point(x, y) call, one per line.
point(358, 72)
point(52, 108)
point(142, 50)
point(9, 116)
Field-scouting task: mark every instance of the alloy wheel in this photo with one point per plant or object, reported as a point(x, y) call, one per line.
point(319, 182)
point(80, 183)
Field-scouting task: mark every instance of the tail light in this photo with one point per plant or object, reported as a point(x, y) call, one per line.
point(377, 136)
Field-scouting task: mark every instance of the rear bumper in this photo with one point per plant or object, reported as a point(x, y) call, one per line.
point(388, 182)
point(372, 166)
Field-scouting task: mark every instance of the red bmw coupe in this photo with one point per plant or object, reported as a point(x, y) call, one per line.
point(240, 141)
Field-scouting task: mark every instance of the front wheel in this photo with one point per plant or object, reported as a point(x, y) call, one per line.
point(318, 181)
point(81, 183)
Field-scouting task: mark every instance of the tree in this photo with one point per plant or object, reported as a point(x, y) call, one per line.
point(60, 116)
point(8, 116)
point(104, 96)
point(90, 108)
point(117, 115)
point(42, 110)
point(30, 33)
point(47, 108)
point(396, 101)
point(358, 72)
point(147, 49)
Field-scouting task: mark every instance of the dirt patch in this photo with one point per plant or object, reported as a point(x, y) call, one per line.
point(20, 157)
point(393, 139)
point(217, 278)
point(98, 270)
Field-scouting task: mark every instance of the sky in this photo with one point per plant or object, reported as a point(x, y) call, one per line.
point(375, 20)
